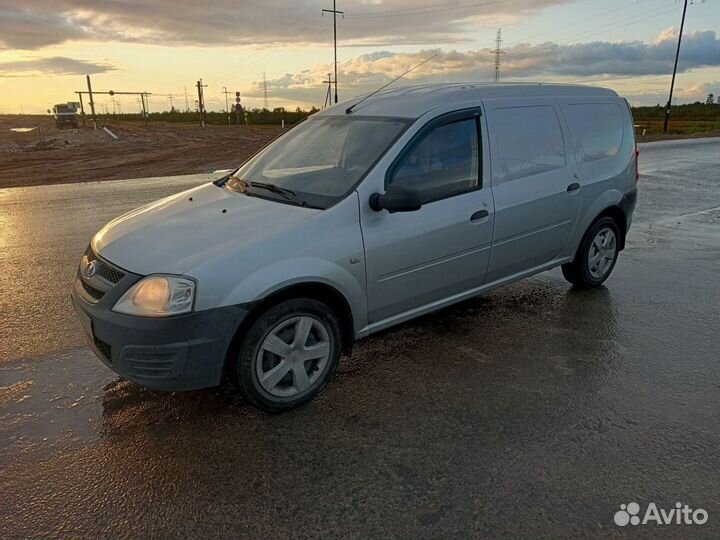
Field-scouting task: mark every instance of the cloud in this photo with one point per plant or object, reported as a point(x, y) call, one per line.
point(31, 24)
point(25, 29)
point(547, 61)
point(56, 65)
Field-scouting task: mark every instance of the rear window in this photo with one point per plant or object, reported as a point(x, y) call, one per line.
point(526, 141)
point(597, 129)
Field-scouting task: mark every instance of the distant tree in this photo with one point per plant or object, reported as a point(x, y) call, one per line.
point(710, 99)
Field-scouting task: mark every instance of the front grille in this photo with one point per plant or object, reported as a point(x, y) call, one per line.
point(104, 270)
point(103, 348)
point(110, 274)
point(91, 291)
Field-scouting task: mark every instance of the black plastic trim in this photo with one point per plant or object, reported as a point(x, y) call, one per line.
point(628, 203)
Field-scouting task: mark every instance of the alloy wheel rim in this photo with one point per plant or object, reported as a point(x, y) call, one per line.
point(602, 253)
point(293, 356)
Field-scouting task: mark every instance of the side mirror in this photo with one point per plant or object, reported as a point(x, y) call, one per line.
point(397, 198)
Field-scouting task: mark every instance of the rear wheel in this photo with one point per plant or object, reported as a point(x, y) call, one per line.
point(289, 354)
point(596, 256)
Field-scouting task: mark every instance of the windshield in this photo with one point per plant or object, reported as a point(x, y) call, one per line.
point(318, 162)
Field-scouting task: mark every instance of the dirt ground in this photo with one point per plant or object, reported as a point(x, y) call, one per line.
point(84, 155)
point(161, 149)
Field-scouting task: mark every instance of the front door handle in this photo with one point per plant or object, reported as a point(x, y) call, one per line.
point(573, 187)
point(480, 214)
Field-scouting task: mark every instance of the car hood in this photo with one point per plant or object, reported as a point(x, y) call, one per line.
point(177, 233)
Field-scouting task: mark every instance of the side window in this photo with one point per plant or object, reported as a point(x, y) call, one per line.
point(444, 162)
point(598, 129)
point(525, 141)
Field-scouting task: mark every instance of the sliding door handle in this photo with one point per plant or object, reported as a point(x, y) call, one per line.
point(480, 214)
point(573, 187)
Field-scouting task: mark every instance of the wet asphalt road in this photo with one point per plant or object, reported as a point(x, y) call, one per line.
point(531, 412)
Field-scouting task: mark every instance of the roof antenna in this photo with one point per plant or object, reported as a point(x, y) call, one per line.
point(351, 107)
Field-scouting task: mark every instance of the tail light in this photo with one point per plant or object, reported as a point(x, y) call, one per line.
point(637, 164)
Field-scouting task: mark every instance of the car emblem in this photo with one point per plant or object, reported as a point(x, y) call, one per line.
point(90, 269)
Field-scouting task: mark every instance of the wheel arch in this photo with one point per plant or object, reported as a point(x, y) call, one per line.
point(314, 290)
point(616, 213)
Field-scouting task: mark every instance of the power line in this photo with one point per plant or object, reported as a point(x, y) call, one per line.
point(275, 55)
point(627, 21)
point(641, 17)
point(271, 57)
point(251, 59)
point(564, 26)
point(419, 10)
point(274, 58)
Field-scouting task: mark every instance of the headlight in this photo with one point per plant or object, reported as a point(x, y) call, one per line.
point(158, 296)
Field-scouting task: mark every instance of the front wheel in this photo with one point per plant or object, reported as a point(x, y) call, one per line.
point(289, 354)
point(596, 256)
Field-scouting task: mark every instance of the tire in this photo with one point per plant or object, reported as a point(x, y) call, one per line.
point(594, 260)
point(273, 355)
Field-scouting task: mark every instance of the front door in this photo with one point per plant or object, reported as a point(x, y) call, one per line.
point(415, 259)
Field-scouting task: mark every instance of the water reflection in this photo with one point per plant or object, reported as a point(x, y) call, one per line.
point(513, 340)
point(459, 403)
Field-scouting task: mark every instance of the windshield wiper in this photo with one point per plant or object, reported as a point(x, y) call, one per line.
point(289, 194)
point(274, 188)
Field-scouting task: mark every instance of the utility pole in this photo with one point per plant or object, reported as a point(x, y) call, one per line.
point(672, 83)
point(201, 102)
point(92, 103)
point(328, 94)
point(238, 108)
point(265, 91)
point(170, 97)
point(187, 105)
point(143, 96)
point(227, 106)
point(82, 107)
point(498, 52)
point(335, 12)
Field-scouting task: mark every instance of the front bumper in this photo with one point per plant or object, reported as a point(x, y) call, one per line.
point(184, 352)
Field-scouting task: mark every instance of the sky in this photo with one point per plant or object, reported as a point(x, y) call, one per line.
point(164, 47)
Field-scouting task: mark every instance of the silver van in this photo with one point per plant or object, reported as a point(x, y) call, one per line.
point(366, 215)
